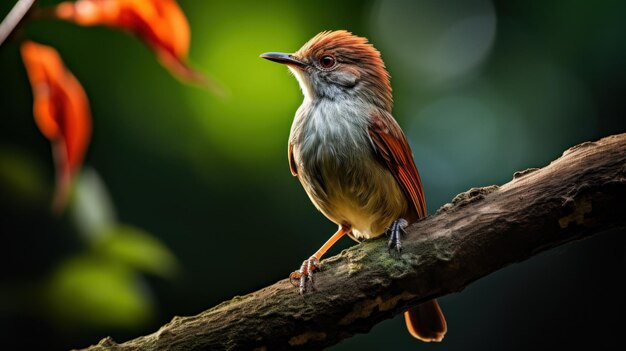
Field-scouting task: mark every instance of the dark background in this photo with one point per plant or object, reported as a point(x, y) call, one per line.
point(186, 198)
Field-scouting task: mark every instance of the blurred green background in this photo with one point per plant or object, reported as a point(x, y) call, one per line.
point(186, 198)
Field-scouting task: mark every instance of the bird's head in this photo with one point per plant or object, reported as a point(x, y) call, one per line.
point(339, 65)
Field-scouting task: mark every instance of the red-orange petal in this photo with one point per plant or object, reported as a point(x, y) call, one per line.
point(60, 106)
point(161, 24)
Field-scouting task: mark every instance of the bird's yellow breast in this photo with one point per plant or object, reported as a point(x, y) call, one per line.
point(366, 198)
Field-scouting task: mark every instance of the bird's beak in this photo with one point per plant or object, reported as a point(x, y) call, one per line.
point(280, 57)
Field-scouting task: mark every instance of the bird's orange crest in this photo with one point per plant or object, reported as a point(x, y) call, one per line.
point(352, 49)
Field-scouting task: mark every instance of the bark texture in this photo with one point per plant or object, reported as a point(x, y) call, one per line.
point(482, 230)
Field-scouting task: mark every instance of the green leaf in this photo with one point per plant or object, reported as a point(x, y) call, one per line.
point(92, 208)
point(138, 249)
point(21, 178)
point(87, 291)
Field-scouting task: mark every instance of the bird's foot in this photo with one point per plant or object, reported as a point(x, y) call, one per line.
point(304, 276)
point(395, 231)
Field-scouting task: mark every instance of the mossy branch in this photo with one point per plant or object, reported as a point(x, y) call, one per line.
point(479, 232)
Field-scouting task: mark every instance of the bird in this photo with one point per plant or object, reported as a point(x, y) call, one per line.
point(351, 156)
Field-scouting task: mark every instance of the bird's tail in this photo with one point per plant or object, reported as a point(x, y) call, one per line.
point(426, 321)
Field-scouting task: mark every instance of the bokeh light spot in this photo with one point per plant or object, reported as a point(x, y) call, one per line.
point(436, 41)
point(251, 124)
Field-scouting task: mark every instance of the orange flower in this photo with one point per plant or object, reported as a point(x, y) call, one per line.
point(161, 24)
point(61, 112)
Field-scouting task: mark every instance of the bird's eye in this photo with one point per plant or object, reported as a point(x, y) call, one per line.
point(327, 61)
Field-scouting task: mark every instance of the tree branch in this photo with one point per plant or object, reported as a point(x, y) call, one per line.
point(14, 17)
point(482, 230)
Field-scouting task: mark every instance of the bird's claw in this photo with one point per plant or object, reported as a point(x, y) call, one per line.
point(300, 277)
point(395, 231)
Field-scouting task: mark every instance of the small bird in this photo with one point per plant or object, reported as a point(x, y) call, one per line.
point(351, 156)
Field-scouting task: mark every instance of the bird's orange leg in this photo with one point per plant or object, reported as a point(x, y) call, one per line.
point(313, 263)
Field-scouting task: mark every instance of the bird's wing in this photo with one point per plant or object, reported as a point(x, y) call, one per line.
point(292, 161)
point(391, 145)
